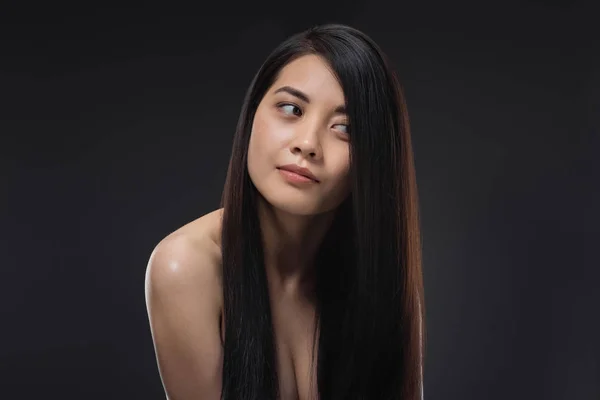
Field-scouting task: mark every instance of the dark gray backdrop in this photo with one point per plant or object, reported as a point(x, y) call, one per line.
point(116, 130)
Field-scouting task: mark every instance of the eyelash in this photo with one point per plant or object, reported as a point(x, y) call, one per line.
point(281, 105)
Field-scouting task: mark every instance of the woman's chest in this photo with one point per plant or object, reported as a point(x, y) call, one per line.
point(293, 326)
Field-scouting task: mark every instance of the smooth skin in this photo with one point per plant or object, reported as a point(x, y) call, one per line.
point(299, 121)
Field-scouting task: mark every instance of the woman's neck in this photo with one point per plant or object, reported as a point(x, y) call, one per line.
point(290, 245)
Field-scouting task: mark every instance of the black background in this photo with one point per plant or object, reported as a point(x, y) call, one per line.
point(117, 127)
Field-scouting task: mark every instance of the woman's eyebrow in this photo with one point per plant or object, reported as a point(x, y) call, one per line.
point(304, 97)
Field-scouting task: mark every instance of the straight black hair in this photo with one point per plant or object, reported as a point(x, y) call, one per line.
point(369, 284)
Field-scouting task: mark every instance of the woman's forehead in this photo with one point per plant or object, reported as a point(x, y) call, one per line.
point(312, 76)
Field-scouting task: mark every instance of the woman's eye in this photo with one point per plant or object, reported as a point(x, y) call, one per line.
point(344, 129)
point(290, 109)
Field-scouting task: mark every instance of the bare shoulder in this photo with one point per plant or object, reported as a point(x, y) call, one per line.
point(184, 300)
point(191, 252)
point(207, 226)
point(199, 240)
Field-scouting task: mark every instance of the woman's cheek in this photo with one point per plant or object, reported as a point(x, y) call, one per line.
point(270, 131)
point(278, 131)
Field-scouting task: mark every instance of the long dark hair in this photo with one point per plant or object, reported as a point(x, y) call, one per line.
point(369, 283)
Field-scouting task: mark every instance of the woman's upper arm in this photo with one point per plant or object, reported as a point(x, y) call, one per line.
point(182, 299)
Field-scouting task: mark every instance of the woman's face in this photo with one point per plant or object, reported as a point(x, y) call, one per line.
point(301, 121)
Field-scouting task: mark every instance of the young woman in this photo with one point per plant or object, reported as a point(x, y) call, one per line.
point(307, 283)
